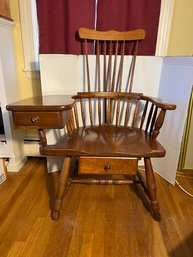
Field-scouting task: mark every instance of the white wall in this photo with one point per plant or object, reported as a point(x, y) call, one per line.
point(175, 86)
point(64, 74)
point(9, 93)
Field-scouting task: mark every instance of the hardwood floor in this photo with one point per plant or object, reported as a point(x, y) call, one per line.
point(96, 221)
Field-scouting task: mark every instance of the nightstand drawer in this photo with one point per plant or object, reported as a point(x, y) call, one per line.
point(103, 165)
point(44, 119)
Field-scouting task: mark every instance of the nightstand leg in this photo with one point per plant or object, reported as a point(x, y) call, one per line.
point(61, 188)
point(151, 187)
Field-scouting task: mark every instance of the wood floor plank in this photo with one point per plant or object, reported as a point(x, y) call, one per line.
point(95, 221)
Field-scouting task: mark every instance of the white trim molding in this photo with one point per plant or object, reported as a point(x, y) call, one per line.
point(7, 23)
point(30, 37)
point(165, 21)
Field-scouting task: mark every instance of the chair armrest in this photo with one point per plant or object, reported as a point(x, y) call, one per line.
point(159, 102)
point(155, 119)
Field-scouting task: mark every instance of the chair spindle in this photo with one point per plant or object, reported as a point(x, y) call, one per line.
point(133, 66)
point(82, 112)
point(153, 120)
point(144, 114)
point(149, 117)
point(115, 66)
point(98, 65)
point(87, 65)
point(76, 116)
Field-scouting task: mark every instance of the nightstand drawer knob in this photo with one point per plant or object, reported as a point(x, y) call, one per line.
point(107, 167)
point(34, 119)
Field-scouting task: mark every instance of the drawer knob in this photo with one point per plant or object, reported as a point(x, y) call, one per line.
point(107, 167)
point(34, 119)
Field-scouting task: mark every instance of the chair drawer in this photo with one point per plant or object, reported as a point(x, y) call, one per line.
point(52, 119)
point(103, 165)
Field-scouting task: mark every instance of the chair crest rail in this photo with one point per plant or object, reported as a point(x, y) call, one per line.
point(138, 34)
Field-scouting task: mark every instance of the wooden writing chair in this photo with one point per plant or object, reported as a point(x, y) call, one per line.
point(110, 128)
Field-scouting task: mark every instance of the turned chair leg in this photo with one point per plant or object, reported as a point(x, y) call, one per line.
point(61, 188)
point(151, 187)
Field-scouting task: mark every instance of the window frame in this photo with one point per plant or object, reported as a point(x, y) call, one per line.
point(164, 28)
point(30, 38)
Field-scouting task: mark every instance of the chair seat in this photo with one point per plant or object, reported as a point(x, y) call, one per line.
point(107, 140)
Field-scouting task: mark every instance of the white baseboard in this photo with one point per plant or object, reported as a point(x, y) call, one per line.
point(16, 165)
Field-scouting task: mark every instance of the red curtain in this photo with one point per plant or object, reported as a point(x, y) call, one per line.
point(59, 21)
point(131, 14)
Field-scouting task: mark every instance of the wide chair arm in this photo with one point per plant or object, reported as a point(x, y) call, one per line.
point(159, 102)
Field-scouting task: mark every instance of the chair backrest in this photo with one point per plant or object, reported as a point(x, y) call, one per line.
point(110, 48)
point(109, 102)
point(131, 110)
point(112, 108)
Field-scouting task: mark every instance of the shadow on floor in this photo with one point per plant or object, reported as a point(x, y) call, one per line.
point(184, 249)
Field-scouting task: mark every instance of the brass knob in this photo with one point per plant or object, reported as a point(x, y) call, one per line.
point(34, 119)
point(107, 167)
